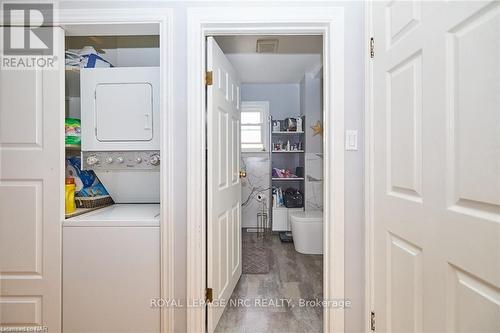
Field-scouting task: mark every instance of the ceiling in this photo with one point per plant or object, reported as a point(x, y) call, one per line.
point(112, 42)
point(286, 44)
point(112, 29)
point(274, 68)
point(295, 56)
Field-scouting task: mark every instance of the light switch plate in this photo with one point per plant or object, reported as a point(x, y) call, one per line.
point(351, 140)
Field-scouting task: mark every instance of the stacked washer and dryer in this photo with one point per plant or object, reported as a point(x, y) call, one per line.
point(111, 256)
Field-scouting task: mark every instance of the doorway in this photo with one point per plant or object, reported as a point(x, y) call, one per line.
point(264, 115)
point(326, 22)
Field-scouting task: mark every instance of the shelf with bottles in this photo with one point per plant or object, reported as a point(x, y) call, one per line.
point(288, 151)
point(287, 178)
point(287, 174)
point(288, 132)
point(287, 146)
point(290, 197)
point(288, 125)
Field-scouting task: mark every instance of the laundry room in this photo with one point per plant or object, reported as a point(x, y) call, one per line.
point(111, 231)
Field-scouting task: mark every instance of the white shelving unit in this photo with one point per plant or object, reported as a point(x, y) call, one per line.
point(288, 132)
point(288, 151)
point(285, 159)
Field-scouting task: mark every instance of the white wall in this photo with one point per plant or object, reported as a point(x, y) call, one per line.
point(133, 57)
point(354, 255)
point(257, 166)
point(354, 201)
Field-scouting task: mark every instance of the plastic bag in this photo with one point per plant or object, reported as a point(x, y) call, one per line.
point(87, 183)
point(73, 131)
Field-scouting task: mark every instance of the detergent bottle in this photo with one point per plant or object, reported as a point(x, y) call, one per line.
point(70, 195)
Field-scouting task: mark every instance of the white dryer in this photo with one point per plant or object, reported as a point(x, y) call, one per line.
point(120, 111)
point(120, 108)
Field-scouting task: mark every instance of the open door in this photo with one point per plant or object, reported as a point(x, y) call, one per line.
point(224, 186)
point(31, 185)
point(436, 84)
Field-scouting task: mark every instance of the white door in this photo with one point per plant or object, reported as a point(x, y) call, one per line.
point(436, 86)
point(31, 185)
point(224, 186)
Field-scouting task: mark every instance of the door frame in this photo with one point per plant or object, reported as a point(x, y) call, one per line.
point(368, 166)
point(164, 18)
point(326, 21)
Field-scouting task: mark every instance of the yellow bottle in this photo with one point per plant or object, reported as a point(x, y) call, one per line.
point(70, 195)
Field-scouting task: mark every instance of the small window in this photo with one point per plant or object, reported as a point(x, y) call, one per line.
point(254, 126)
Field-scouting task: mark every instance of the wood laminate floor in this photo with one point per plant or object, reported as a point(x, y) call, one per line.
point(262, 297)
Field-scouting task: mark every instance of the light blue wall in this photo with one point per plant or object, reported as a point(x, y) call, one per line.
point(311, 108)
point(284, 98)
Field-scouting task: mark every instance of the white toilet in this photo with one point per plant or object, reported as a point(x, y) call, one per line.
point(307, 231)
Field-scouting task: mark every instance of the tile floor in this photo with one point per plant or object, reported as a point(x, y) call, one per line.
point(292, 276)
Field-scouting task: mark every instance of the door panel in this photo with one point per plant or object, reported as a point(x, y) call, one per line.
point(436, 171)
point(224, 186)
point(133, 107)
point(31, 183)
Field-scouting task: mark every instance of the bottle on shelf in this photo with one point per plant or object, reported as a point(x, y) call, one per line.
point(299, 124)
point(70, 187)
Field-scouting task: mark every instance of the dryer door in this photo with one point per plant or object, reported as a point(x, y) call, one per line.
point(124, 112)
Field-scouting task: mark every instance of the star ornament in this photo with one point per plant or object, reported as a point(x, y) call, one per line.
point(317, 129)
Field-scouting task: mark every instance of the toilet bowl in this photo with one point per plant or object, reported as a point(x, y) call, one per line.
point(307, 231)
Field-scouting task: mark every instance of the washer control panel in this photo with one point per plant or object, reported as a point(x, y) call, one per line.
point(121, 160)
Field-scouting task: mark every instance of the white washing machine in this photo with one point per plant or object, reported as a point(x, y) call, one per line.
point(111, 270)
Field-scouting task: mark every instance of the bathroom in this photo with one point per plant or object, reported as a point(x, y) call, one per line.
point(282, 184)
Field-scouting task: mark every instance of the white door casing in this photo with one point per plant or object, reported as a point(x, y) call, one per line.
point(224, 186)
point(436, 166)
point(328, 21)
point(31, 193)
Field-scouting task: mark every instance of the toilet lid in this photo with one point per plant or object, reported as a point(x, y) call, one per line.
point(308, 216)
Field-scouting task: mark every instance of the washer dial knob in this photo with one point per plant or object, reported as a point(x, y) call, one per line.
point(92, 160)
point(119, 159)
point(154, 159)
point(109, 160)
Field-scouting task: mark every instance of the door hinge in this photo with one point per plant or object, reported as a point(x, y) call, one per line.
point(209, 295)
point(372, 48)
point(372, 321)
point(209, 78)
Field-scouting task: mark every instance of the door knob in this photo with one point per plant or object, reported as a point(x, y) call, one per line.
point(243, 174)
